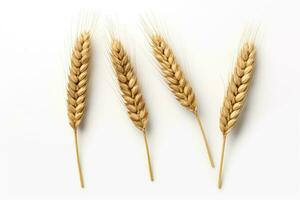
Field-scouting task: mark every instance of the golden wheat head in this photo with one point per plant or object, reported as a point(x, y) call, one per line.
point(238, 88)
point(172, 73)
point(129, 87)
point(78, 79)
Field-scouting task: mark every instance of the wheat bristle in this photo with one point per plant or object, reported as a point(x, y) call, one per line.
point(173, 74)
point(78, 79)
point(128, 84)
point(238, 88)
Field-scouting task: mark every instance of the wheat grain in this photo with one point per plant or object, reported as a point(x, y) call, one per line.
point(176, 81)
point(237, 89)
point(78, 79)
point(173, 74)
point(129, 87)
point(77, 87)
point(130, 91)
point(236, 94)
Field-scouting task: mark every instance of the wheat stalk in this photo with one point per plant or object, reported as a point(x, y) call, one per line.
point(176, 81)
point(77, 87)
point(236, 94)
point(130, 91)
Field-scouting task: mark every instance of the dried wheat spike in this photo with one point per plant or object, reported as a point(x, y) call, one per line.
point(237, 89)
point(130, 92)
point(78, 79)
point(176, 81)
point(236, 95)
point(77, 87)
point(173, 74)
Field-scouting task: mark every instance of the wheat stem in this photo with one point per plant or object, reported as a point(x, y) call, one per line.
point(148, 156)
point(221, 165)
point(205, 140)
point(130, 91)
point(78, 158)
point(77, 87)
point(235, 97)
point(176, 80)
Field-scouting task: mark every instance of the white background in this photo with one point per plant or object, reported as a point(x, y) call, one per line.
point(36, 144)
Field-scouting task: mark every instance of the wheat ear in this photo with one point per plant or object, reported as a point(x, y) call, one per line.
point(236, 94)
point(130, 91)
point(176, 81)
point(77, 87)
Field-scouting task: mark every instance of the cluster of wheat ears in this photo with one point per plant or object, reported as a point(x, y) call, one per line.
point(174, 77)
